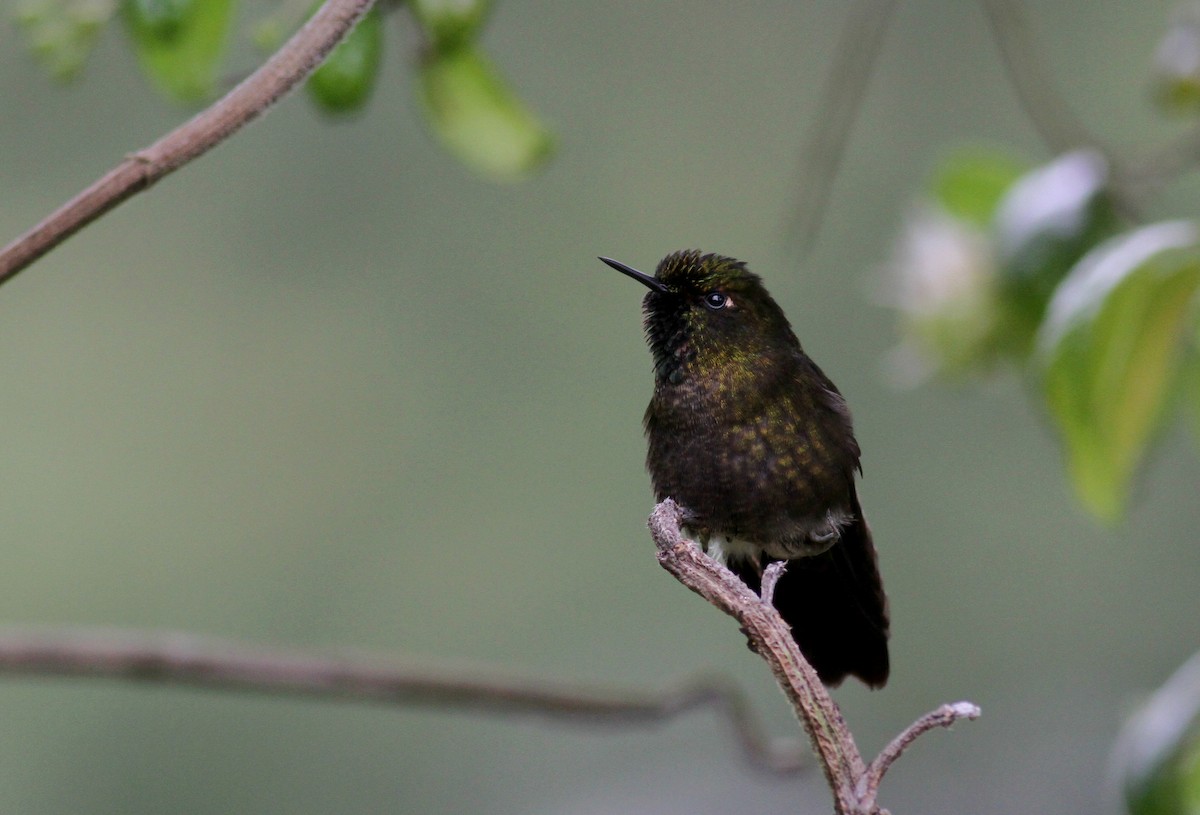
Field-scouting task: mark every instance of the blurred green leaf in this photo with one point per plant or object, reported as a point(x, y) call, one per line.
point(61, 33)
point(1157, 755)
point(1111, 348)
point(479, 118)
point(450, 24)
point(1189, 778)
point(1177, 63)
point(347, 76)
point(1047, 221)
point(943, 271)
point(158, 19)
point(970, 184)
point(182, 57)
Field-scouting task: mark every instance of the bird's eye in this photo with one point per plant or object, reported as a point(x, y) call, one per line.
point(715, 300)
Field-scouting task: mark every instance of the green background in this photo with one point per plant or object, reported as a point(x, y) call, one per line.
point(323, 388)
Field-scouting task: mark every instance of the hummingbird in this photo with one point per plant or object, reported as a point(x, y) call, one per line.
point(757, 446)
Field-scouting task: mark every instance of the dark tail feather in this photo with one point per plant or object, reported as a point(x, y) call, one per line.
point(836, 607)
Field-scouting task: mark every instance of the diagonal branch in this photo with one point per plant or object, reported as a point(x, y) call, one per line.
point(1032, 79)
point(845, 88)
point(266, 86)
point(855, 785)
point(189, 660)
point(944, 716)
point(771, 638)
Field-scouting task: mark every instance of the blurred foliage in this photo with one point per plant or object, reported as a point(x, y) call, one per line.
point(346, 77)
point(1049, 270)
point(467, 103)
point(61, 33)
point(478, 117)
point(969, 185)
point(1111, 353)
point(1044, 224)
point(159, 20)
point(1177, 63)
point(450, 24)
point(181, 44)
point(1037, 270)
point(1156, 759)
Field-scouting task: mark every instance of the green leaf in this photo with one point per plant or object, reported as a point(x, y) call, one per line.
point(1157, 755)
point(1177, 64)
point(1111, 350)
point(61, 33)
point(347, 76)
point(1047, 221)
point(478, 118)
point(1189, 779)
point(970, 184)
point(158, 19)
point(180, 44)
point(450, 24)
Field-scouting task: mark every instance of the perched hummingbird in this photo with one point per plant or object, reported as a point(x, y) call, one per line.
point(755, 444)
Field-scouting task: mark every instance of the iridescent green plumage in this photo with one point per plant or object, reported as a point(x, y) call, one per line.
point(753, 440)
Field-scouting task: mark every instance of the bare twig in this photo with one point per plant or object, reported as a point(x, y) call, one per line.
point(188, 660)
point(944, 716)
point(855, 786)
point(770, 578)
point(283, 71)
point(841, 99)
point(1032, 79)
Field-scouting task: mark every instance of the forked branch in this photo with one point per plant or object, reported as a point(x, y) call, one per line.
point(854, 784)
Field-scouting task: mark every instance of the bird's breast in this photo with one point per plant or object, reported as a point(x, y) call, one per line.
point(774, 477)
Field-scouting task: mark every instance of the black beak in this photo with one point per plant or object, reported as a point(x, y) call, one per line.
point(650, 282)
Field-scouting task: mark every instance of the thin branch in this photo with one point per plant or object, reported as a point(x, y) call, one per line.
point(944, 716)
point(770, 579)
point(1033, 80)
point(854, 785)
point(188, 660)
point(283, 71)
point(771, 638)
point(841, 100)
